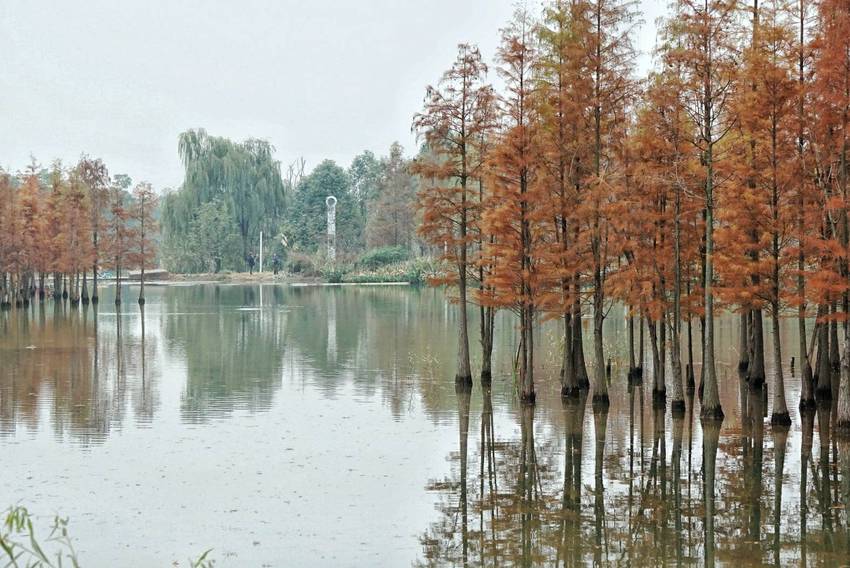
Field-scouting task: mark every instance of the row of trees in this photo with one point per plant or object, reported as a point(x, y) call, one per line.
point(718, 182)
point(59, 226)
point(234, 190)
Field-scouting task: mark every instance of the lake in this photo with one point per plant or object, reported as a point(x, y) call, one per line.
point(284, 425)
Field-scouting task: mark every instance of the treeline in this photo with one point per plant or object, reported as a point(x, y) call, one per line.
point(718, 182)
point(63, 226)
point(233, 191)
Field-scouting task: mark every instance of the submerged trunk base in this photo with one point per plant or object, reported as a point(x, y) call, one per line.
point(600, 402)
point(635, 376)
point(677, 408)
point(711, 414)
point(823, 394)
point(780, 419)
point(463, 381)
point(570, 392)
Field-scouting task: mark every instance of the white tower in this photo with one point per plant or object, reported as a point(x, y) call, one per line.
point(331, 204)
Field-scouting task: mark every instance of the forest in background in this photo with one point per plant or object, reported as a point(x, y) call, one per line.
point(232, 191)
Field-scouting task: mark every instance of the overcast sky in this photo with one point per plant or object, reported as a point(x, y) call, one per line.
point(317, 78)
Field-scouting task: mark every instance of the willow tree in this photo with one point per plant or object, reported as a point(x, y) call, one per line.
point(244, 175)
point(450, 122)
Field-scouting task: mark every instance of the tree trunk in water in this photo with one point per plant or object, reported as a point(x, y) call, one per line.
point(142, 286)
point(600, 381)
point(75, 289)
point(118, 286)
point(94, 297)
point(85, 297)
point(464, 374)
point(824, 388)
point(702, 357)
point(744, 346)
point(578, 347)
point(632, 366)
point(843, 405)
point(658, 389)
point(487, 354)
point(662, 351)
point(691, 383)
point(527, 394)
point(834, 350)
point(678, 405)
point(755, 372)
point(57, 285)
point(780, 416)
point(711, 396)
point(569, 387)
point(640, 348)
point(807, 395)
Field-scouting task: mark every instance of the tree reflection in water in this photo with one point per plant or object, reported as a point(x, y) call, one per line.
point(654, 499)
point(520, 486)
point(76, 361)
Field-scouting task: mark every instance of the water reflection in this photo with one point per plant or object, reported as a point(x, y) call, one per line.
point(240, 376)
point(652, 499)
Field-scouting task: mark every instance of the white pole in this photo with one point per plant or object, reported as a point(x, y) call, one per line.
point(261, 251)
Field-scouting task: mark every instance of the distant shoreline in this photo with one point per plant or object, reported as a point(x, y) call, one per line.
point(162, 278)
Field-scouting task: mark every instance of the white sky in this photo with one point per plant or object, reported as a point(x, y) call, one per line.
point(317, 78)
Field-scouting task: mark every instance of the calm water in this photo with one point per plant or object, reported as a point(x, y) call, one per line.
point(320, 426)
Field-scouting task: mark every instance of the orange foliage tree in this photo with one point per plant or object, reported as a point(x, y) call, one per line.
point(515, 212)
point(451, 121)
point(559, 75)
point(120, 238)
point(706, 29)
point(144, 248)
point(832, 94)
